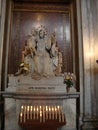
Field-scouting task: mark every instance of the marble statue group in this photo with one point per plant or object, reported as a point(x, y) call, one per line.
point(41, 54)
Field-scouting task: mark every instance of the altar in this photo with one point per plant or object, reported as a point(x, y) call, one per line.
point(41, 71)
point(41, 117)
point(30, 94)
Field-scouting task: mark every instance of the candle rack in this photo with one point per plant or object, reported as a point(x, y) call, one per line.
point(31, 117)
point(29, 101)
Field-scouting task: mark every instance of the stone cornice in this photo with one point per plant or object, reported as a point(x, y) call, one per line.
point(39, 96)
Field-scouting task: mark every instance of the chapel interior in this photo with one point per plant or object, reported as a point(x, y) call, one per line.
point(48, 64)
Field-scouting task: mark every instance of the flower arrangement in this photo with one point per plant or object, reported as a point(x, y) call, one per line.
point(69, 80)
point(24, 66)
point(23, 69)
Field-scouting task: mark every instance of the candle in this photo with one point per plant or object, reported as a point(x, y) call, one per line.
point(59, 113)
point(24, 113)
point(40, 108)
point(37, 112)
point(46, 112)
point(58, 108)
point(62, 117)
point(59, 117)
point(27, 112)
point(52, 112)
point(34, 113)
point(55, 112)
point(49, 112)
point(31, 112)
point(40, 116)
point(22, 108)
point(20, 117)
point(43, 114)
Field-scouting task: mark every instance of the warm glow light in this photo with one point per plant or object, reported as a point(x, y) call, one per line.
point(49, 109)
point(52, 109)
point(28, 108)
point(21, 107)
point(90, 54)
point(31, 108)
point(42, 113)
point(21, 117)
point(20, 114)
point(58, 107)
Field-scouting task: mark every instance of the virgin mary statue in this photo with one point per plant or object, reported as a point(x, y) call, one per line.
point(41, 56)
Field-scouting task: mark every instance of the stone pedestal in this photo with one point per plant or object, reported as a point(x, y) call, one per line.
point(24, 90)
point(90, 123)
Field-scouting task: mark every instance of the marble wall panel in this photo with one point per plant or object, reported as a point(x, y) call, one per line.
point(89, 30)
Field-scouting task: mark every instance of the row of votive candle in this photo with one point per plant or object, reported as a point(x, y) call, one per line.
point(41, 113)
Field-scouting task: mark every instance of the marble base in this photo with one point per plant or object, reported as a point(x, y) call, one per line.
point(46, 85)
point(12, 109)
point(90, 124)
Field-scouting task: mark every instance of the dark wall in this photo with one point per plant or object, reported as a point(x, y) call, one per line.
point(54, 17)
